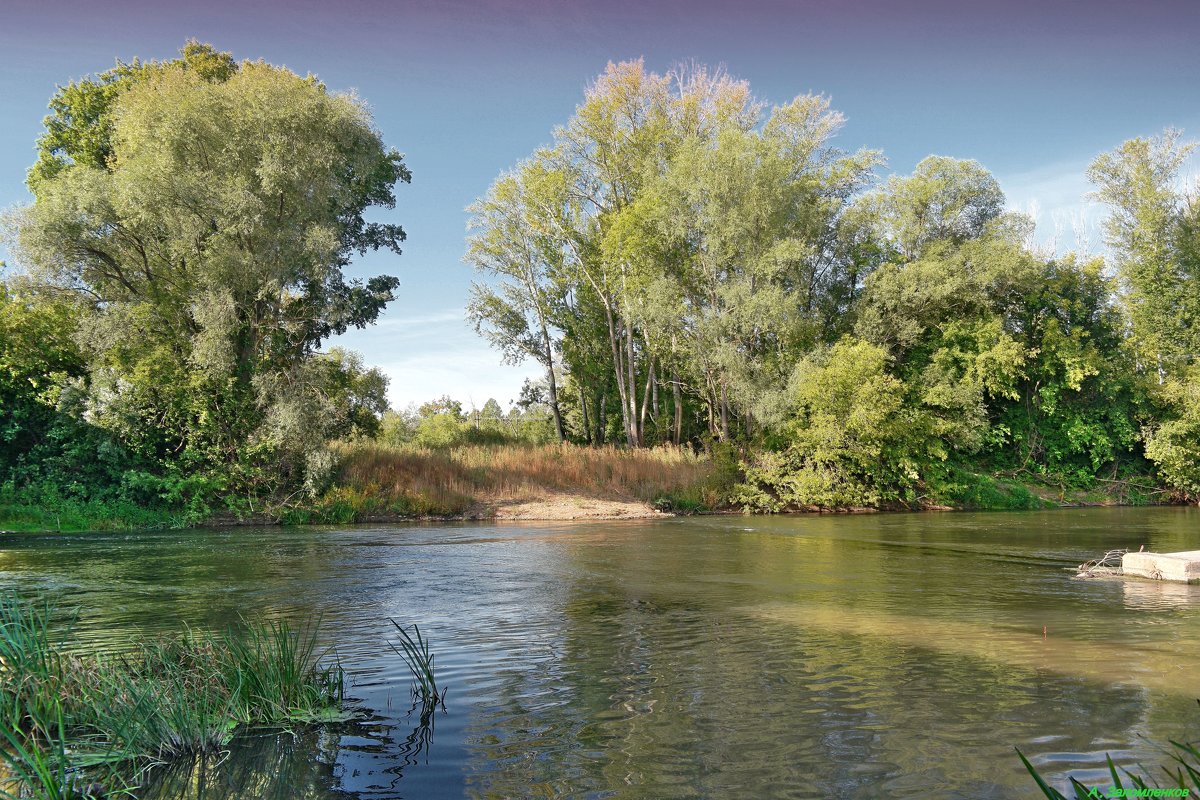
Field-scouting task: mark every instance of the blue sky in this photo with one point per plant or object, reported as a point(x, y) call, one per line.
point(1032, 90)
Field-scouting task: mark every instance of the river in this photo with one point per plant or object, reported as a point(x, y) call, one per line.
point(866, 656)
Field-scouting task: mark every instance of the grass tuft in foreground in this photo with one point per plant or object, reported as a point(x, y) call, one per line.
point(76, 725)
point(1182, 772)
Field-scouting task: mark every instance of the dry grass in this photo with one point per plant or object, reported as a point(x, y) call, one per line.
point(378, 479)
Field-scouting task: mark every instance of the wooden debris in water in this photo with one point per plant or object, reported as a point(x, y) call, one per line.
point(1109, 564)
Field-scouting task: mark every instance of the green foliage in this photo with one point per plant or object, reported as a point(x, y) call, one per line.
point(677, 238)
point(962, 488)
point(691, 259)
point(1019, 359)
point(57, 469)
point(1174, 445)
point(944, 200)
point(442, 423)
point(1079, 395)
point(38, 359)
point(46, 507)
point(984, 353)
point(852, 439)
point(508, 242)
point(94, 719)
point(688, 264)
point(79, 129)
point(441, 430)
point(1151, 229)
point(183, 264)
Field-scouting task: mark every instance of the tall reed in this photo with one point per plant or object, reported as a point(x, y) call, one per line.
point(414, 649)
point(1182, 771)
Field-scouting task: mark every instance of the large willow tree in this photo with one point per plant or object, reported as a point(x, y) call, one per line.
point(205, 210)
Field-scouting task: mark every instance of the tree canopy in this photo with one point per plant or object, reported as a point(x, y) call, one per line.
point(690, 263)
point(197, 216)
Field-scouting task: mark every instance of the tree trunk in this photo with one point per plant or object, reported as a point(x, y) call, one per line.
point(587, 428)
point(602, 418)
point(645, 403)
point(558, 426)
point(549, 349)
point(654, 401)
point(724, 412)
point(619, 368)
point(631, 366)
point(711, 402)
point(678, 432)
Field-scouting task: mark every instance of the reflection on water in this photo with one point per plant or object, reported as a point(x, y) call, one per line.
point(299, 764)
point(1158, 595)
point(251, 769)
point(857, 657)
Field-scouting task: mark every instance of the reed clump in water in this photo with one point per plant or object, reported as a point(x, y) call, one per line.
point(414, 649)
point(75, 725)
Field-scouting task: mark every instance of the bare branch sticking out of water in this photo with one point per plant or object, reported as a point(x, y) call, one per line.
point(1107, 565)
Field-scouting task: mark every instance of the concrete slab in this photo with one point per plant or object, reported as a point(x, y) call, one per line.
point(1183, 567)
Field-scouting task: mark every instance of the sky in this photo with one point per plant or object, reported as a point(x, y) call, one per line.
point(1032, 90)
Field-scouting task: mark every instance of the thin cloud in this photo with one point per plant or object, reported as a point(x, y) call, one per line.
point(436, 318)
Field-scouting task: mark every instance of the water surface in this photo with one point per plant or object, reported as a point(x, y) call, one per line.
point(898, 656)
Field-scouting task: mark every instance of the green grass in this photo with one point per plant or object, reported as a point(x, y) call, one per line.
point(84, 516)
point(72, 720)
point(966, 489)
point(46, 507)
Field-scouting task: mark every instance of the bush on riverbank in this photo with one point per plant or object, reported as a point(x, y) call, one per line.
point(70, 719)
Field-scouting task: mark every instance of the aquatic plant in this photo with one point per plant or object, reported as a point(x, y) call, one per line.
point(73, 720)
point(414, 649)
point(277, 672)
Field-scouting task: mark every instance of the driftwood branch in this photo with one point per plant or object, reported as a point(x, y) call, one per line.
point(1108, 564)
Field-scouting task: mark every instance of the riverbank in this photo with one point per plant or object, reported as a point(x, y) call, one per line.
point(376, 483)
point(380, 483)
